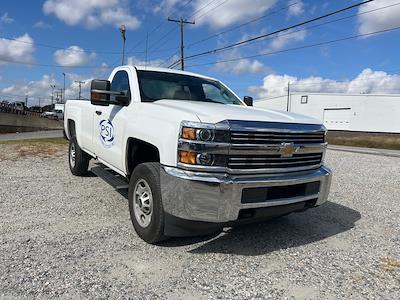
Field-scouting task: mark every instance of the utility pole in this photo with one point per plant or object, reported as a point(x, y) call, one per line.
point(80, 87)
point(181, 22)
point(122, 29)
point(288, 96)
point(26, 100)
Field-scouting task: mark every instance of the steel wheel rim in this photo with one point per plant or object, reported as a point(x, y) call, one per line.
point(72, 155)
point(143, 203)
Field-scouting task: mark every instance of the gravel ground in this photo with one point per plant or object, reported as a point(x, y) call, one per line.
point(69, 237)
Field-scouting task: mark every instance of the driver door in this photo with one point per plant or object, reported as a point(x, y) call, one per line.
point(109, 121)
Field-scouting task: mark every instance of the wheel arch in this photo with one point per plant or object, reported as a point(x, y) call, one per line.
point(70, 130)
point(139, 151)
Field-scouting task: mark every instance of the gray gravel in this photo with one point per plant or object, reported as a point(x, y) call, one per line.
point(71, 237)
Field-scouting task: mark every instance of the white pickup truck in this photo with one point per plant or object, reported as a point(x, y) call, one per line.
point(194, 156)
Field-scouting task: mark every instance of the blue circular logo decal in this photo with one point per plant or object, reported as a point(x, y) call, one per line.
point(106, 133)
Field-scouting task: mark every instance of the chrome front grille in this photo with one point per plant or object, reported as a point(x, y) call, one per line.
point(274, 138)
point(274, 161)
point(271, 148)
point(256, 147)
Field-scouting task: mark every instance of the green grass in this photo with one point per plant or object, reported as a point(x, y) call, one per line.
point(58, 140)
point(368, 140)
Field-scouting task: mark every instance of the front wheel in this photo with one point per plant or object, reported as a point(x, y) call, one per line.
point(145, 203)
point(78, 160)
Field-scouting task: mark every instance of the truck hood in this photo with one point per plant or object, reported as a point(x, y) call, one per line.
point(208, 112)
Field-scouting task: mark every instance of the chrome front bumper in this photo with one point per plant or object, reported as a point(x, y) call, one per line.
point(213, 197)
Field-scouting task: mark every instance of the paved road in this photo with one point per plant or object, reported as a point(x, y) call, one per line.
point(31, 135)
point(71, 237)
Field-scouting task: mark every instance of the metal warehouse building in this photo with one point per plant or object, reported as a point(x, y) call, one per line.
point(351, 112)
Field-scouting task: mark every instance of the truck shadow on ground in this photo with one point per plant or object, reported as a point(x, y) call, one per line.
point(286, 232)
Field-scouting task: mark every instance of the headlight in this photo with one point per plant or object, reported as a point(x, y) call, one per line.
point(201, 159)
point(200, 144)
point(204, 132)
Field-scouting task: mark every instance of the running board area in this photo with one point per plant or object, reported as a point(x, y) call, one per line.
point(117, 181)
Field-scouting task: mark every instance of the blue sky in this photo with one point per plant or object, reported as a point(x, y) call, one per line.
point(360, 65)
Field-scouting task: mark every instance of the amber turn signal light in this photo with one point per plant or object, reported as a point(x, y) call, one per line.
point(187, 157)
point(188, 133)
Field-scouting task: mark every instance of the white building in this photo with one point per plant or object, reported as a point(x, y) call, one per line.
point(352, 112)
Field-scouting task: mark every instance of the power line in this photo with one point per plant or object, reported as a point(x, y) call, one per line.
point(213, 51)
point(223, 32)
point(287, 33)
point(51, 65)
point(190, 17)
point(322, 24)
point(176, 52)
point(173, 65)
point(147, 36)
point(215, 7)
point(181, 22)
point(242, 25)
point(75, 50)
point(297, 48)
point(158, 26)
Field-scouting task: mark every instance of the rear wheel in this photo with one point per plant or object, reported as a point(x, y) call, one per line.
point(145, 203)
point(78, 160)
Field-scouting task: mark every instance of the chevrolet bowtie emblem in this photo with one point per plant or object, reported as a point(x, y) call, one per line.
point(287, 149)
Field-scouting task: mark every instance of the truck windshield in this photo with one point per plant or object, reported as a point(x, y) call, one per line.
point(159, 85)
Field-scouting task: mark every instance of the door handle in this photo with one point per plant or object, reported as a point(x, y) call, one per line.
point(98, 112)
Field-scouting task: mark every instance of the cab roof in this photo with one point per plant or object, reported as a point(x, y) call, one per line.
point(167, 70)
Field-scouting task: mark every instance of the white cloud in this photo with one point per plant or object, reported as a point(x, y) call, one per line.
point(73, 56)
point(5, 19)
point(42, 25)
point(367, 82)
point(19, 50)
point(93, 13)
point(36, 89)
point(296, 8)
point(241, 66)
point(379, 20)
point(40, 88)
point(165, 6)
point(230, 12)
point(287, 37)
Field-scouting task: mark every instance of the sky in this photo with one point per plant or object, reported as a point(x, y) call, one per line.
point(41, 40)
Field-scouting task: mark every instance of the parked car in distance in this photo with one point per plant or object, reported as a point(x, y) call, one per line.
point(59, 110)
point(19, 106)
point(50, 115)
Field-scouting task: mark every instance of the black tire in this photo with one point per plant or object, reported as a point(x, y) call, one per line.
point(148, 173)
point(79, 165)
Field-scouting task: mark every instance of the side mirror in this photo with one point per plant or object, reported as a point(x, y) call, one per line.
point(248, 100)
point(99, 92)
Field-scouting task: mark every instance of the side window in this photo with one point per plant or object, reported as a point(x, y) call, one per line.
point(304, 99)
point(120, 83)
